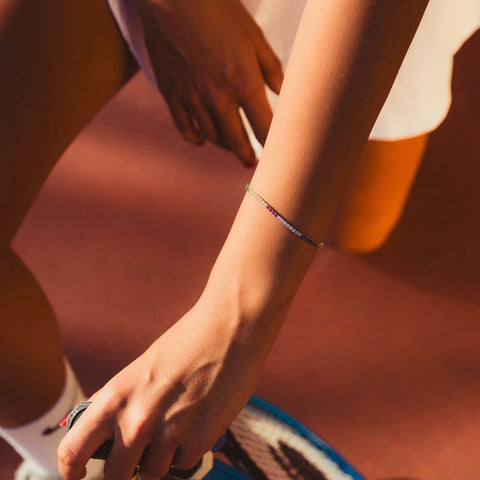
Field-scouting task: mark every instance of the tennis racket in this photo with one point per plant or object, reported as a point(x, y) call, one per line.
point(263, 443)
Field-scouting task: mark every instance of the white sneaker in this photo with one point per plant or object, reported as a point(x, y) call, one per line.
point(27, 471)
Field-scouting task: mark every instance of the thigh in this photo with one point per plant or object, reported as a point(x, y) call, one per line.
point(377, 193)
point(60, 62)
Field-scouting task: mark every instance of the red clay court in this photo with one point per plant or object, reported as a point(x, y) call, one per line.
point(380, 353)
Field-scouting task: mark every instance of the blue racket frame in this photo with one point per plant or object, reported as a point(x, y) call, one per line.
point(221, 471)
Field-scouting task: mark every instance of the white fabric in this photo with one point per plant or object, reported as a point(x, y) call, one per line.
point(39, 450)
point(420, 97)
point(29, 471)
point(128, 21)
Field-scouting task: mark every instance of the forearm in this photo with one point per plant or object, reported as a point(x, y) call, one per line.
point(343, 64)
point(345, 59)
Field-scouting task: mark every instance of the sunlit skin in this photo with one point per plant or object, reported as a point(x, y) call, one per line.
point(48, 94)
point(376, 195)
point(326, 109)
point(68, 61)
point(325, 112)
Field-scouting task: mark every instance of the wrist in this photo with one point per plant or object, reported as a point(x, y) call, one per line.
point(261, 265)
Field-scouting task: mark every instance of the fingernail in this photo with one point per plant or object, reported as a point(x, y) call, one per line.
point(250, 163)
point(194, 139)
point(278, 83)
point(197, 140)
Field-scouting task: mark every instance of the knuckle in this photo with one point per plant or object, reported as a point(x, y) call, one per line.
point(220, 100)
point(110, 394)
point(242, 86)
point(217, 95)
point(172, 433)
point(133, 436)
point(137, 426)
point(141, 426)
point(225, 104)
point(113, 400)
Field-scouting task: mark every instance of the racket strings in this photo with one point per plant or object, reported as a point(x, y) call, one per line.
point(276, 450)
point(296, 465)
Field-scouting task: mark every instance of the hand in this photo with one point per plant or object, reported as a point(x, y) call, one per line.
point(209, 59)
point(176, 399)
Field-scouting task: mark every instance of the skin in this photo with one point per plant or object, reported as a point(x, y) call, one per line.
point(42, 77)
point(69, 61)
point(327, 107)
point(376, 194)
point(203, 84)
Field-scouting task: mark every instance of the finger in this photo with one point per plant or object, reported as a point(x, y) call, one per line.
point(158, 49)
point(186, 459)
point(270, 65)
point(80, 443)
point(124, 457)
point(157, 460)
point(184, 121)
point(207, 126)
point(236, 137)
point(258, 112)
point(223, 127)
point(226, 114)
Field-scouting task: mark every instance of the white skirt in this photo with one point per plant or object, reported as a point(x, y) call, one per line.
point(420, 97)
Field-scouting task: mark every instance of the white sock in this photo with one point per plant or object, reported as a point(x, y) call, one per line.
point(38, 440)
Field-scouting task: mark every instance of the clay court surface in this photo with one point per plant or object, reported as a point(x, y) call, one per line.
point(380, 353)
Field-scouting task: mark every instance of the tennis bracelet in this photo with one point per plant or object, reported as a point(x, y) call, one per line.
point(281, 219)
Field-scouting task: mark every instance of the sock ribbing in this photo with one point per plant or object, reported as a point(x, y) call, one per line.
point(37, 441)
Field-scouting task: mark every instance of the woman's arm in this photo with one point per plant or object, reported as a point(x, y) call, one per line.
point(181, 394)
point(344, 61)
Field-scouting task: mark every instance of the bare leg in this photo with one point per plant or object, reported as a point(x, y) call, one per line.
point(61, 61)
point(377, 195)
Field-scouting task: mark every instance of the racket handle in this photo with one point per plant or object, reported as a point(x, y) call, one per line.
point(195, 473)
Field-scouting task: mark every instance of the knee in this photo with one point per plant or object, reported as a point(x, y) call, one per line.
point(12, 271)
